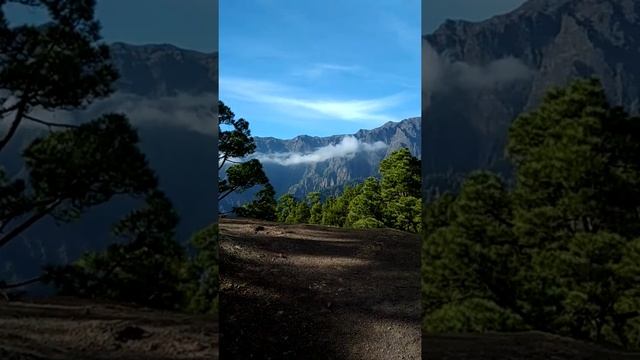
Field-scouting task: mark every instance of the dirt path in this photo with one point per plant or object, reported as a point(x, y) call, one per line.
point(314, 292)
point(75, 329)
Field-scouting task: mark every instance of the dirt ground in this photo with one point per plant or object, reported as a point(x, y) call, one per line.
point(76, 329)
point(314, 292)
point(515, 346)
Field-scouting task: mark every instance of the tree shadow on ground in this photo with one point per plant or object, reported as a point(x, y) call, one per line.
point(291, 292)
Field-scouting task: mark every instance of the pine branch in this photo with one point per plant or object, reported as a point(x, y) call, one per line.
point(49, 123)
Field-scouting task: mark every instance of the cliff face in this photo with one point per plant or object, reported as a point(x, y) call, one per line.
point(164, 70)
point(338, 171)
point(480, 76)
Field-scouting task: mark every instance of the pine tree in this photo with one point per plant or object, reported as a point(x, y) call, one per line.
point(262, 208)
point(560, 251)
point(364, 208)
point(315, 207)
point(577, 197)
point(145, 267)
point(235, 142)
point(62, 66)
point(400, 187)
point(285, 208)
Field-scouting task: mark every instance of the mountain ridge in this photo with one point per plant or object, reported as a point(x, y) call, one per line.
point(386, 124)
point(155, 70)
point(550, 43)
point(263, 141)
point(330, 175)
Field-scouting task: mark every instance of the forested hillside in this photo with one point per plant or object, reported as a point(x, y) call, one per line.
point(392, 201)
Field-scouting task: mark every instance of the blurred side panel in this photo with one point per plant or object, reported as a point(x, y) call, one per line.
point(108, 193)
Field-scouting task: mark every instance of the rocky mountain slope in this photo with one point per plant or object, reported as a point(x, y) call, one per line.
point(349, 162)
point(481, 75)
point(164, 70)
point(337, 171)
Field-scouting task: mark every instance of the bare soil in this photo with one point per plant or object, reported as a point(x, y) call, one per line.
point(315, 292)
point(530, 345)
point(79, 329)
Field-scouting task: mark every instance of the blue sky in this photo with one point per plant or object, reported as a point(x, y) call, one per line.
point(435, 12)
point(148, 21)
point(294, 67)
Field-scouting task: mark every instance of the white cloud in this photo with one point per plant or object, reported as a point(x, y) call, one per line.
point(282, 98)
point(322, 69)
point(440, 73)
point(193, 112)
point(348, 147)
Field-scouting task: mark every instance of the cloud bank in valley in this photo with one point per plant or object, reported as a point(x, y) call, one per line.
point(192, 112)
point(441, 73)
point(348, 147)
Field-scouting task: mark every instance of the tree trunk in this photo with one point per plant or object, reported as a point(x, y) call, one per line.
point(22, 106)
point(25, 225)
point(21, 284)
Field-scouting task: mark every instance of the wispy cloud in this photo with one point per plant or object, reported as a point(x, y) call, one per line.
point(283, 98)
point(348, 147)
point(322, 69)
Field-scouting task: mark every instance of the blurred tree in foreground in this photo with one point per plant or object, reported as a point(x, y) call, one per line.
point(560, 251)
point(147, 266)
point(144, 267)
point(62, 66)
point(59, 65)
point(74, 169)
